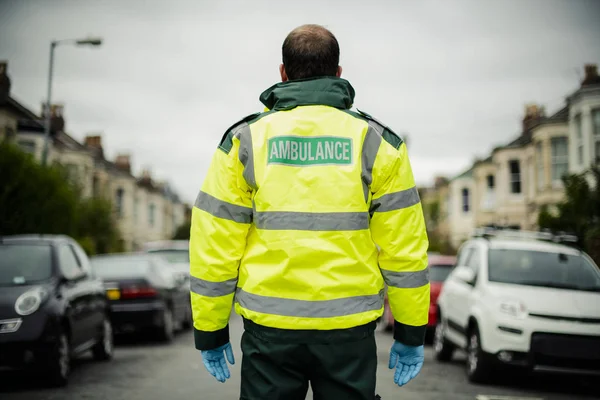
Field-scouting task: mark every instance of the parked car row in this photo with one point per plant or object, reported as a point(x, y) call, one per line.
point(56, 303)
point(145, 294)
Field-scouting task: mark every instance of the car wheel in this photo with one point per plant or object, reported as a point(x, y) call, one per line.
point(167, 330)
point(477, 362)
point(104, 348)
point(57, 363)
point(442, 348)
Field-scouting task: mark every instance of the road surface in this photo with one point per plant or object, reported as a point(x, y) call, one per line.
point(148, 371)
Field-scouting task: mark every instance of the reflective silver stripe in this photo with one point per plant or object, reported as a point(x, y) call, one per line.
point(406, 280)
point(223, 209)
point(396, 200)
point(212, 289)
point(306, 221)
point(246, 154)
point(369, 152)
point(309, 309)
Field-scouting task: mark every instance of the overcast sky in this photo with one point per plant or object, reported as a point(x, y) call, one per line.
point(171, 76)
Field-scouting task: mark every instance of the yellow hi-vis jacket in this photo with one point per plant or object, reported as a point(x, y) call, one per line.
point(289, 217)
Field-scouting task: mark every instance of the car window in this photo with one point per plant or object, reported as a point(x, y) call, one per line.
point(463, 256)
point(174, 256)
point(474, 260)
point(69, 264)
point(83, 260)
point(21, 264)
point(115, 267)
point(537, 268)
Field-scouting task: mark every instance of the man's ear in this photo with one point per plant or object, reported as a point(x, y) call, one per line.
point(284, 77)
point(339, 72)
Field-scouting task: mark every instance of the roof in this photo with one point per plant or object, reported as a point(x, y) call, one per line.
point(529, 244)
point(488, 159)
point(522, 140)
point(136, 254)
point(64, 140)
point(166, 245)
point(22, 110)
point(561, 115)
point(525, 138)
point(466, 174)
point(34, 238)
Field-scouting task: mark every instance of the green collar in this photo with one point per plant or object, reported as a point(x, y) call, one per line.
point(328, 91)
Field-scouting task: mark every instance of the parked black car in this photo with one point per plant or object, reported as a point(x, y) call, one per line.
point(51, 306)
point(144, 293)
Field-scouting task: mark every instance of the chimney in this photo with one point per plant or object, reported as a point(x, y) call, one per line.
point(4, 81)
point(146, 179)
point(123, 162)
point(94, 144)
point(591, 75)
point(440, 181)
point(533, 116)
point(57, 120)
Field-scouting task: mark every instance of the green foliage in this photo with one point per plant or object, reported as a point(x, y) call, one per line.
point(439, 244)
point(37, 199)
point(183, 232)
point(34, 199)
point(579, 213)
point(96, 225)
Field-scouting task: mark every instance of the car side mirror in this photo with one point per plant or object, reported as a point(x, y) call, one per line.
point(79, 277)
point(465, 274)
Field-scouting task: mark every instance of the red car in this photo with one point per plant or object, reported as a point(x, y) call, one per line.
point(439, 269)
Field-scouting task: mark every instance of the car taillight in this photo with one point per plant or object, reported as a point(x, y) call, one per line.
point(137, 292)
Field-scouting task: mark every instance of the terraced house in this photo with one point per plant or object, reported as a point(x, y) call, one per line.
point(145, 209)
point(512, 185)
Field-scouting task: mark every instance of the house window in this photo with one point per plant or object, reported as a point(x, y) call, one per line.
point(560, 158)
point(515, 176)
point(578, 138)
point(489, 199)
point(28, 146)
point(151, 209)
point(596, 123)
point(119, 201)
point(135, 209)
point(72, 173)
point(539, 159)
point(465, 200)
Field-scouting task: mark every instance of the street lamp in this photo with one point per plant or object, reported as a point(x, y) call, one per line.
point(90, 41)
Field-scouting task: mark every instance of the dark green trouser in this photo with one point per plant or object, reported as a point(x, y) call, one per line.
point(279, 364)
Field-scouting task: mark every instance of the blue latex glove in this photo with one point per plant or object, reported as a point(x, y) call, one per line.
point(408, 361)
point(214, 361)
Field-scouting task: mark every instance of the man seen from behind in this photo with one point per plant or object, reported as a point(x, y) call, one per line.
point(287, 226)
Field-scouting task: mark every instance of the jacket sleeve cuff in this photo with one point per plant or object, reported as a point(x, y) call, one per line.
point(409, 335)
point(205, 340)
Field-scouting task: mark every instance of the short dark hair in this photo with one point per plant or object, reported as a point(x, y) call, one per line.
point(310, 51)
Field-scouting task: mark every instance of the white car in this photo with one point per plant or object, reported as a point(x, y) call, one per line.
point(515, 300)
point(175, 252)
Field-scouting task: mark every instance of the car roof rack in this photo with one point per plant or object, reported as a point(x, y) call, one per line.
point(545, 235)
